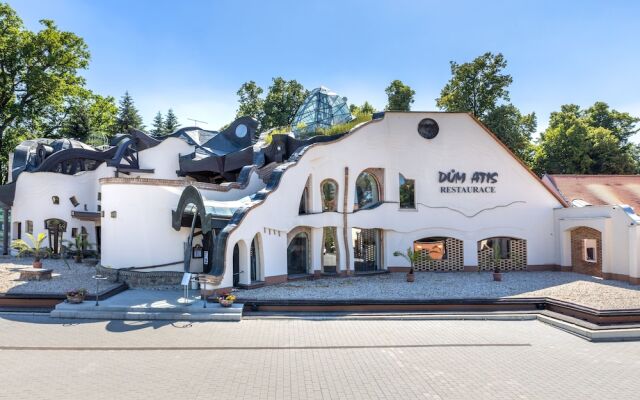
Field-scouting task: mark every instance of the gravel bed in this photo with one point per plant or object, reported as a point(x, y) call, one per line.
point(566, 286)
point(63, 278)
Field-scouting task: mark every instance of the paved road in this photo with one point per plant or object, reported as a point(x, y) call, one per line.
point(297, 359)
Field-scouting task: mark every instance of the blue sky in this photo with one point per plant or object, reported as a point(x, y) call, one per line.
point(194, 55)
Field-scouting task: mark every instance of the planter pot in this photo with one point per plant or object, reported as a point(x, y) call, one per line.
point(497, 276)
point(225, 303)
point(77, 299)
point(411, 277)
point(37, 264)
point(78, 259)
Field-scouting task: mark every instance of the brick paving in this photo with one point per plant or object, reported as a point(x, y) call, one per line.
point(300, 359)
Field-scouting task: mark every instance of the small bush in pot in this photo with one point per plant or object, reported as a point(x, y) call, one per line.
point(35, 249)
point(76, 296)
point(226, 299)
point(79, 245)
point(413, 257)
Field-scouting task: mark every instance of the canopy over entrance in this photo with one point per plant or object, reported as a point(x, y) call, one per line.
point(206, 218)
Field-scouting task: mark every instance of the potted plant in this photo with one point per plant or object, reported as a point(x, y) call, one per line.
point(226, 299)
point(497, 273)
point(413, 257)
point(34, 249)
point(76, 296)
point(79, 245)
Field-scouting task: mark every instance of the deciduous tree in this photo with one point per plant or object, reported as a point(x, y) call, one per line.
point(399, 96)
point(250, 104)
point(282, 101)
point(477, 86)
point(37, 70)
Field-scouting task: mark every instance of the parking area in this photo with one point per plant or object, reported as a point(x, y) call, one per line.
point(301, 358)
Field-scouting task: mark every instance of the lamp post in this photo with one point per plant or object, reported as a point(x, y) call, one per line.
point(98, 278)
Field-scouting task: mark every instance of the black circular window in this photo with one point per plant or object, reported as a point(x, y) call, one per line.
point(428, 128)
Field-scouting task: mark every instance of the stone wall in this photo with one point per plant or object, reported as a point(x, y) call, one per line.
point(142, 279)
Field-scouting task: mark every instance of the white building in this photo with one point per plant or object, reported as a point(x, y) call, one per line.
point(201, 201)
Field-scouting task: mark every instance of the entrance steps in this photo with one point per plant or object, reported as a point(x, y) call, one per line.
point(146, 305)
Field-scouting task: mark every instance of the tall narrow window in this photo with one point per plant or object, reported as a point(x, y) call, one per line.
point(329, 250)
point(366, 249)
point(29, 227)
point(367, 191)
point(329, 195)
point(407, 193)
point(304, 200)
point(298, 254)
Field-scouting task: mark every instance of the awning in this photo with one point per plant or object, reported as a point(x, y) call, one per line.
point(86, 215)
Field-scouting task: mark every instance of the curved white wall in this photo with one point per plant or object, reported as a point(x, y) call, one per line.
point(520, 207)
point(34, 191)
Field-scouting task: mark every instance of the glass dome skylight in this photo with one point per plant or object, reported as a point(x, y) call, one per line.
point(320, 110)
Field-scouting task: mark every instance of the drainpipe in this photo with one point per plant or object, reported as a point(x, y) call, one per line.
point(345, 224)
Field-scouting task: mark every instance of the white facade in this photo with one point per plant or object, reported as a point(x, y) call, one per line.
point(498, 198)
point(520, 207)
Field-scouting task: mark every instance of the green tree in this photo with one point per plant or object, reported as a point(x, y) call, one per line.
point(128, 115)
point(89, 114)
point(170, 122)
point(480, 87)
point(622, 125)
point(564, 149)
point(477, 86)
point(399, 96)
point(158, 124)
point(38, 70)
point(365, 108)
point(281, 103)
point(513, 129)
point(250, 102)
point(608, 155)
point(591, 141)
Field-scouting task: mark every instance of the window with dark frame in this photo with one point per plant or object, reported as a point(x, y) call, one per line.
point(407, 193)
point(29, 227)
point(329, 189)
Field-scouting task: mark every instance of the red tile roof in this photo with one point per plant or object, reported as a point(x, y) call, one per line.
point(597, 189)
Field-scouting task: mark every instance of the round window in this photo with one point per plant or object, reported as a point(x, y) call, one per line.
point(241, 130)
point(428, 128)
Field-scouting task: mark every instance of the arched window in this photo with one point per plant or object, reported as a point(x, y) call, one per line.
point(329, 189)
point(298, 254)
point(367, 191)
point(55, 227)
point(256, 273)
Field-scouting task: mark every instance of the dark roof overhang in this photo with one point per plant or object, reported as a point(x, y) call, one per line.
point(86, 215)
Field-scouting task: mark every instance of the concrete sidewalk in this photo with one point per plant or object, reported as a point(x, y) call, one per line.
point(149, 305)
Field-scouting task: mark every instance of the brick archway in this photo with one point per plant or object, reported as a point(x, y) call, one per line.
point(580, 265)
